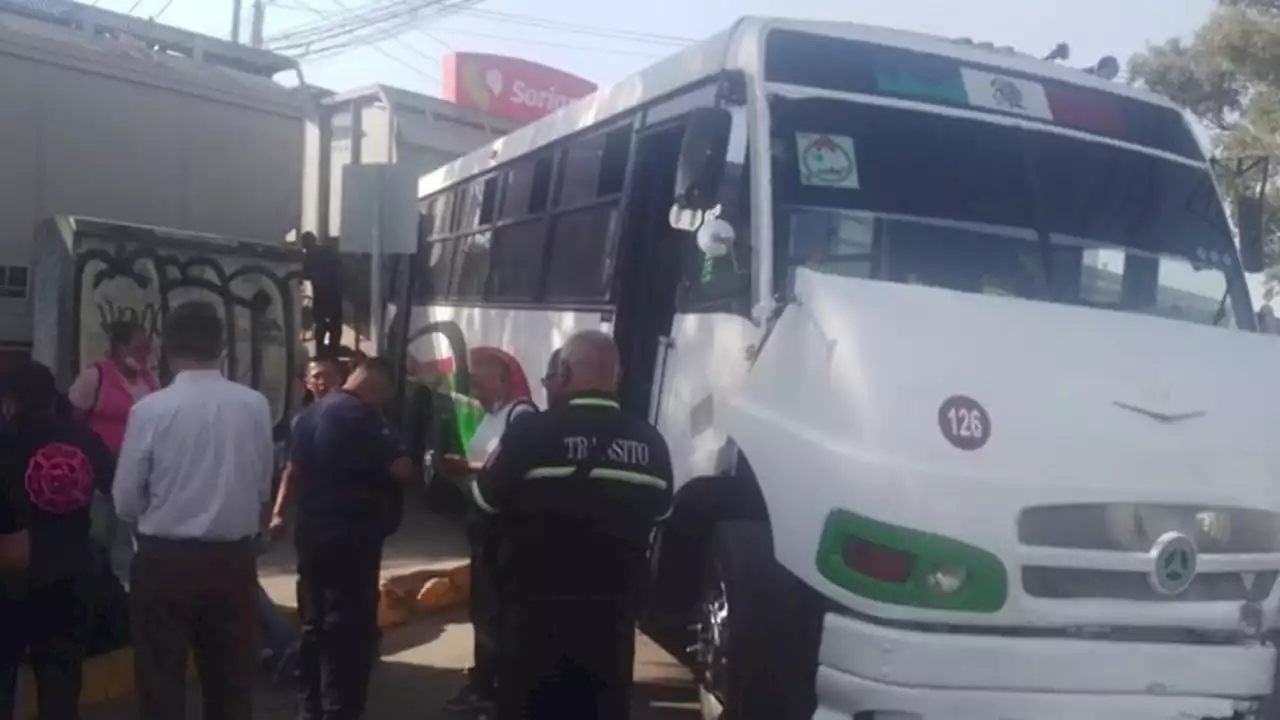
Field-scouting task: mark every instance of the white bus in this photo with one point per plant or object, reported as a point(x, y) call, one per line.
point(954, 353)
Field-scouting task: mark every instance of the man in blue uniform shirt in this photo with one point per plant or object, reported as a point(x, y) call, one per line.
point(350, 466)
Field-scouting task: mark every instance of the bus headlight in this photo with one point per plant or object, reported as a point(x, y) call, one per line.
point(947, 579)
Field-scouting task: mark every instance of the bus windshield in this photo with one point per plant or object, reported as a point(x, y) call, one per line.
point(933, 199)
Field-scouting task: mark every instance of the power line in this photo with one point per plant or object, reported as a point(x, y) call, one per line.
point(133, 7)
point(346, 39)
point(398, 15)
point(371, 36)
point(438, 41)
point(377, 22)
point(162, 10)
point(576, 28)
point(380, 21)
point(321, 24)
point(547, 43)
point(428, 74)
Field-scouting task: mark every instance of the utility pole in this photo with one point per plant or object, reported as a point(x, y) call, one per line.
point(237, 9)
point(259, 19)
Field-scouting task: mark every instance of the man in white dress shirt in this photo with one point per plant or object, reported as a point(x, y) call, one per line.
point(194, 474)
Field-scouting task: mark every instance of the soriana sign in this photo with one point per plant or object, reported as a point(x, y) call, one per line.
point(510, 87)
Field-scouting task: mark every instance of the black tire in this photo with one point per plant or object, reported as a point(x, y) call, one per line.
point(767, 664)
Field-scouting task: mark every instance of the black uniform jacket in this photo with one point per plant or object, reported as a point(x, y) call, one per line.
point(575, 493)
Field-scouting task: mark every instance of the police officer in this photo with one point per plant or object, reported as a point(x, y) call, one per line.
point(574, 494)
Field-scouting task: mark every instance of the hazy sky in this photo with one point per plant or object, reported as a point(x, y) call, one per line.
point(1092, 27)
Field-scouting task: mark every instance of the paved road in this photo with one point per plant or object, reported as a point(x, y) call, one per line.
point(422, 664)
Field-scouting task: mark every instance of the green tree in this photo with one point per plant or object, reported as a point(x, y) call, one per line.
point(1228, 76)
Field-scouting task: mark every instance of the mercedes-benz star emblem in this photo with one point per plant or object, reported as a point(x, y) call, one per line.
point(1173, 564)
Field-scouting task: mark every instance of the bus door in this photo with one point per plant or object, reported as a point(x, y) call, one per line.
point(649, 266)
point(438, 414)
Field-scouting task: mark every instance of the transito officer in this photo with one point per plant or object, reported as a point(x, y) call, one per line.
point(575, 493)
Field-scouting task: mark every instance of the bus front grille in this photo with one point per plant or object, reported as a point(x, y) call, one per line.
point(1056, 583)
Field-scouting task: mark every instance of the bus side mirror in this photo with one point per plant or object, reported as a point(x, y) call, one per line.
point(700, 168)
point(1250, 224)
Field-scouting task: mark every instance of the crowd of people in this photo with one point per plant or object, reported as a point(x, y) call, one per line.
point(564, 502)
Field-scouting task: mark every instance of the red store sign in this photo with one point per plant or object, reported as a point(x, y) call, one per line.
point(510, 87)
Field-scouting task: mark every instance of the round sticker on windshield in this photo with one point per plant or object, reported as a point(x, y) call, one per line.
point(964, 422)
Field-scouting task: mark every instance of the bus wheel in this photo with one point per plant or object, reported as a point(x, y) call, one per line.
point(745, 663)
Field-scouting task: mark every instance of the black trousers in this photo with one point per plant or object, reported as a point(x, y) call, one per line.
point(328, 329)
point(484, 610)
point(338, 603)
point(52, 623)
point(567, 659)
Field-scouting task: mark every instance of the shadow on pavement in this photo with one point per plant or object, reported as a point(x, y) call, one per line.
point(405, 691)
point(420, 632)
point(401, 691)
point(664, 701)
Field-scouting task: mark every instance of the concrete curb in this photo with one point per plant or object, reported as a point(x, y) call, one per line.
point(403, 599)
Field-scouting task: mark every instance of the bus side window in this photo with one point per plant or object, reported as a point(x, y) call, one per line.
point(585, 223)
point(594, 167)
point(582, 252)
point(471, 267)
point(436, 258)
point(435, 254)
point(519, 238)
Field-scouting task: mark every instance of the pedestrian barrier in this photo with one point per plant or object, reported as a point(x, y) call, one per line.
point(403, 598)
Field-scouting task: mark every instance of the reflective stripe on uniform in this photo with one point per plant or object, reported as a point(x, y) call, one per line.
point(595, 402)
point(557, 471)
point(627, 476)
point(484, 504)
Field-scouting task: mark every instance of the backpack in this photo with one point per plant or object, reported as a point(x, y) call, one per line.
point(511, 411)
point(97, 393)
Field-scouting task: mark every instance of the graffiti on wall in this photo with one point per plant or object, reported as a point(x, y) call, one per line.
point(256, 296)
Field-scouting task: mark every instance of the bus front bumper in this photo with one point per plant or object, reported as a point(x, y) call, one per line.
point(873, 672)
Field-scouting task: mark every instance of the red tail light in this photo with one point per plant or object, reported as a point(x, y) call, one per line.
point(877, 561)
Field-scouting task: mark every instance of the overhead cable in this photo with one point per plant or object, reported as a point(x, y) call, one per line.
point(430, 74)
point(576, 28)
point(369, 19)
